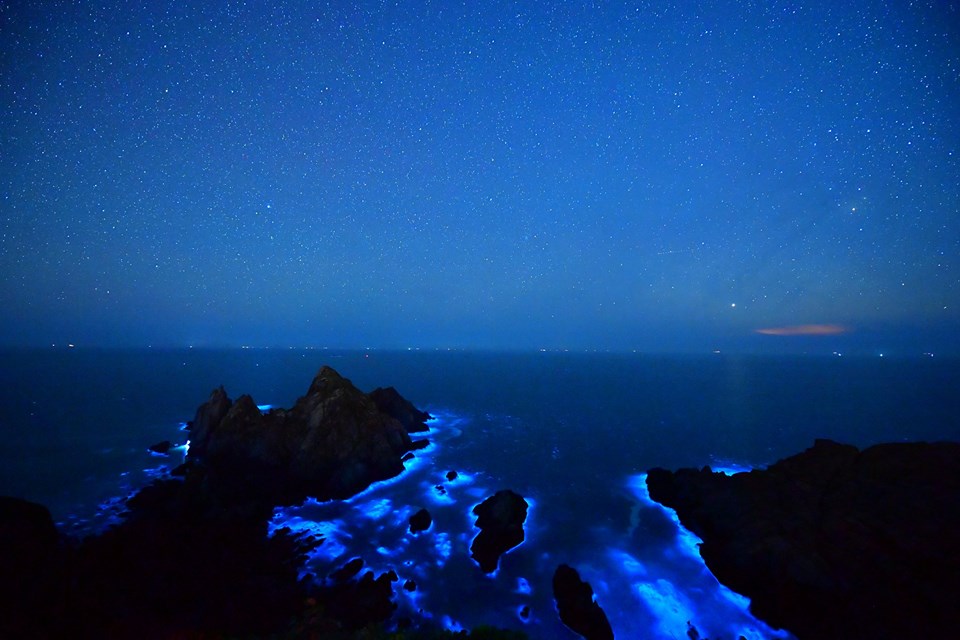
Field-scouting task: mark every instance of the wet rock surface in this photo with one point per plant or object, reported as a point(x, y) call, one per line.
point(834, 542)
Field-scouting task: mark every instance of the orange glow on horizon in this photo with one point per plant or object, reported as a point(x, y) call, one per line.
point(805, 330)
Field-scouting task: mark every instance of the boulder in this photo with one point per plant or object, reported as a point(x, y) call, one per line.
point(334, 442)
point(420, 521)
point(577, 607)
point(500, 519)
point(834, 542)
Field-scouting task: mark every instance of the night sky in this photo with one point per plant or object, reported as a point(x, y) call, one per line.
point(752, 176)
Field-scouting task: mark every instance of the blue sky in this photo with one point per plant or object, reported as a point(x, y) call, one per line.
point(652, 176)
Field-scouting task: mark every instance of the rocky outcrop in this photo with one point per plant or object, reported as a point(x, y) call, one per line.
point(161, 448)
point(500, 519)
point(332, 443)
point(577, 607)
point(390, 402)
point(31, 571)
point(834, 542)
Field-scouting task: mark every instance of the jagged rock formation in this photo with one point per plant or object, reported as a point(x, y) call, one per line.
point(31, 570)
point(834, 542)
point(500, 519)
point(332, 443)
point(577, 607)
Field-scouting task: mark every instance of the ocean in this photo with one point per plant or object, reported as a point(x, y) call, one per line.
point(573, 433)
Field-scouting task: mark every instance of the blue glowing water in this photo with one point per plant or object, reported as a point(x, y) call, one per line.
point(573, 433)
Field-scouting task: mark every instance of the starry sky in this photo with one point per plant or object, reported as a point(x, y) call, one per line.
point(658, 176)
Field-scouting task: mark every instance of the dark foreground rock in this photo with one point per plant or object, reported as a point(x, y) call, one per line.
point(577, 607)
point(834, 542)
point(500, 519)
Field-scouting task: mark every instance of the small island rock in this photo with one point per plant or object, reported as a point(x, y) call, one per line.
point(420, 521)
point(500, 519)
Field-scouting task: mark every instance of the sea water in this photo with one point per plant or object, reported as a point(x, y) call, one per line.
point(573, 433)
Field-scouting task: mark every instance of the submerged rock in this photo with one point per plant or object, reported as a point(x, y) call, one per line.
point(500, 519)
point(834, 542)
point(577, 607)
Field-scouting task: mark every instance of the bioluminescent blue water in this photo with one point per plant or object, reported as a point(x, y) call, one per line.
point(573, 434)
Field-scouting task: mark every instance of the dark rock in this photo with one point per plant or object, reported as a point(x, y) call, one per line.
point(451, 475)
point(358, 604)
point(192, 557)
point(334, 442)
point(440, 489)
point(396, 406)
point(172, 566)
point(407, 457)
point(162, 448)
point(410, 585)
point(347, 571)
point(500, 519)
point(420, 521)
point(208, 417)
point(525, 612)
point(31, 567)
point(834, 542)
point(577, 607)
point(419, 444)
point(21, 520)
point(180, 470)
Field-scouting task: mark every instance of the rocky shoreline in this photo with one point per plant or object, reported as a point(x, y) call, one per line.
point(834, 542)
point(830, 543)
